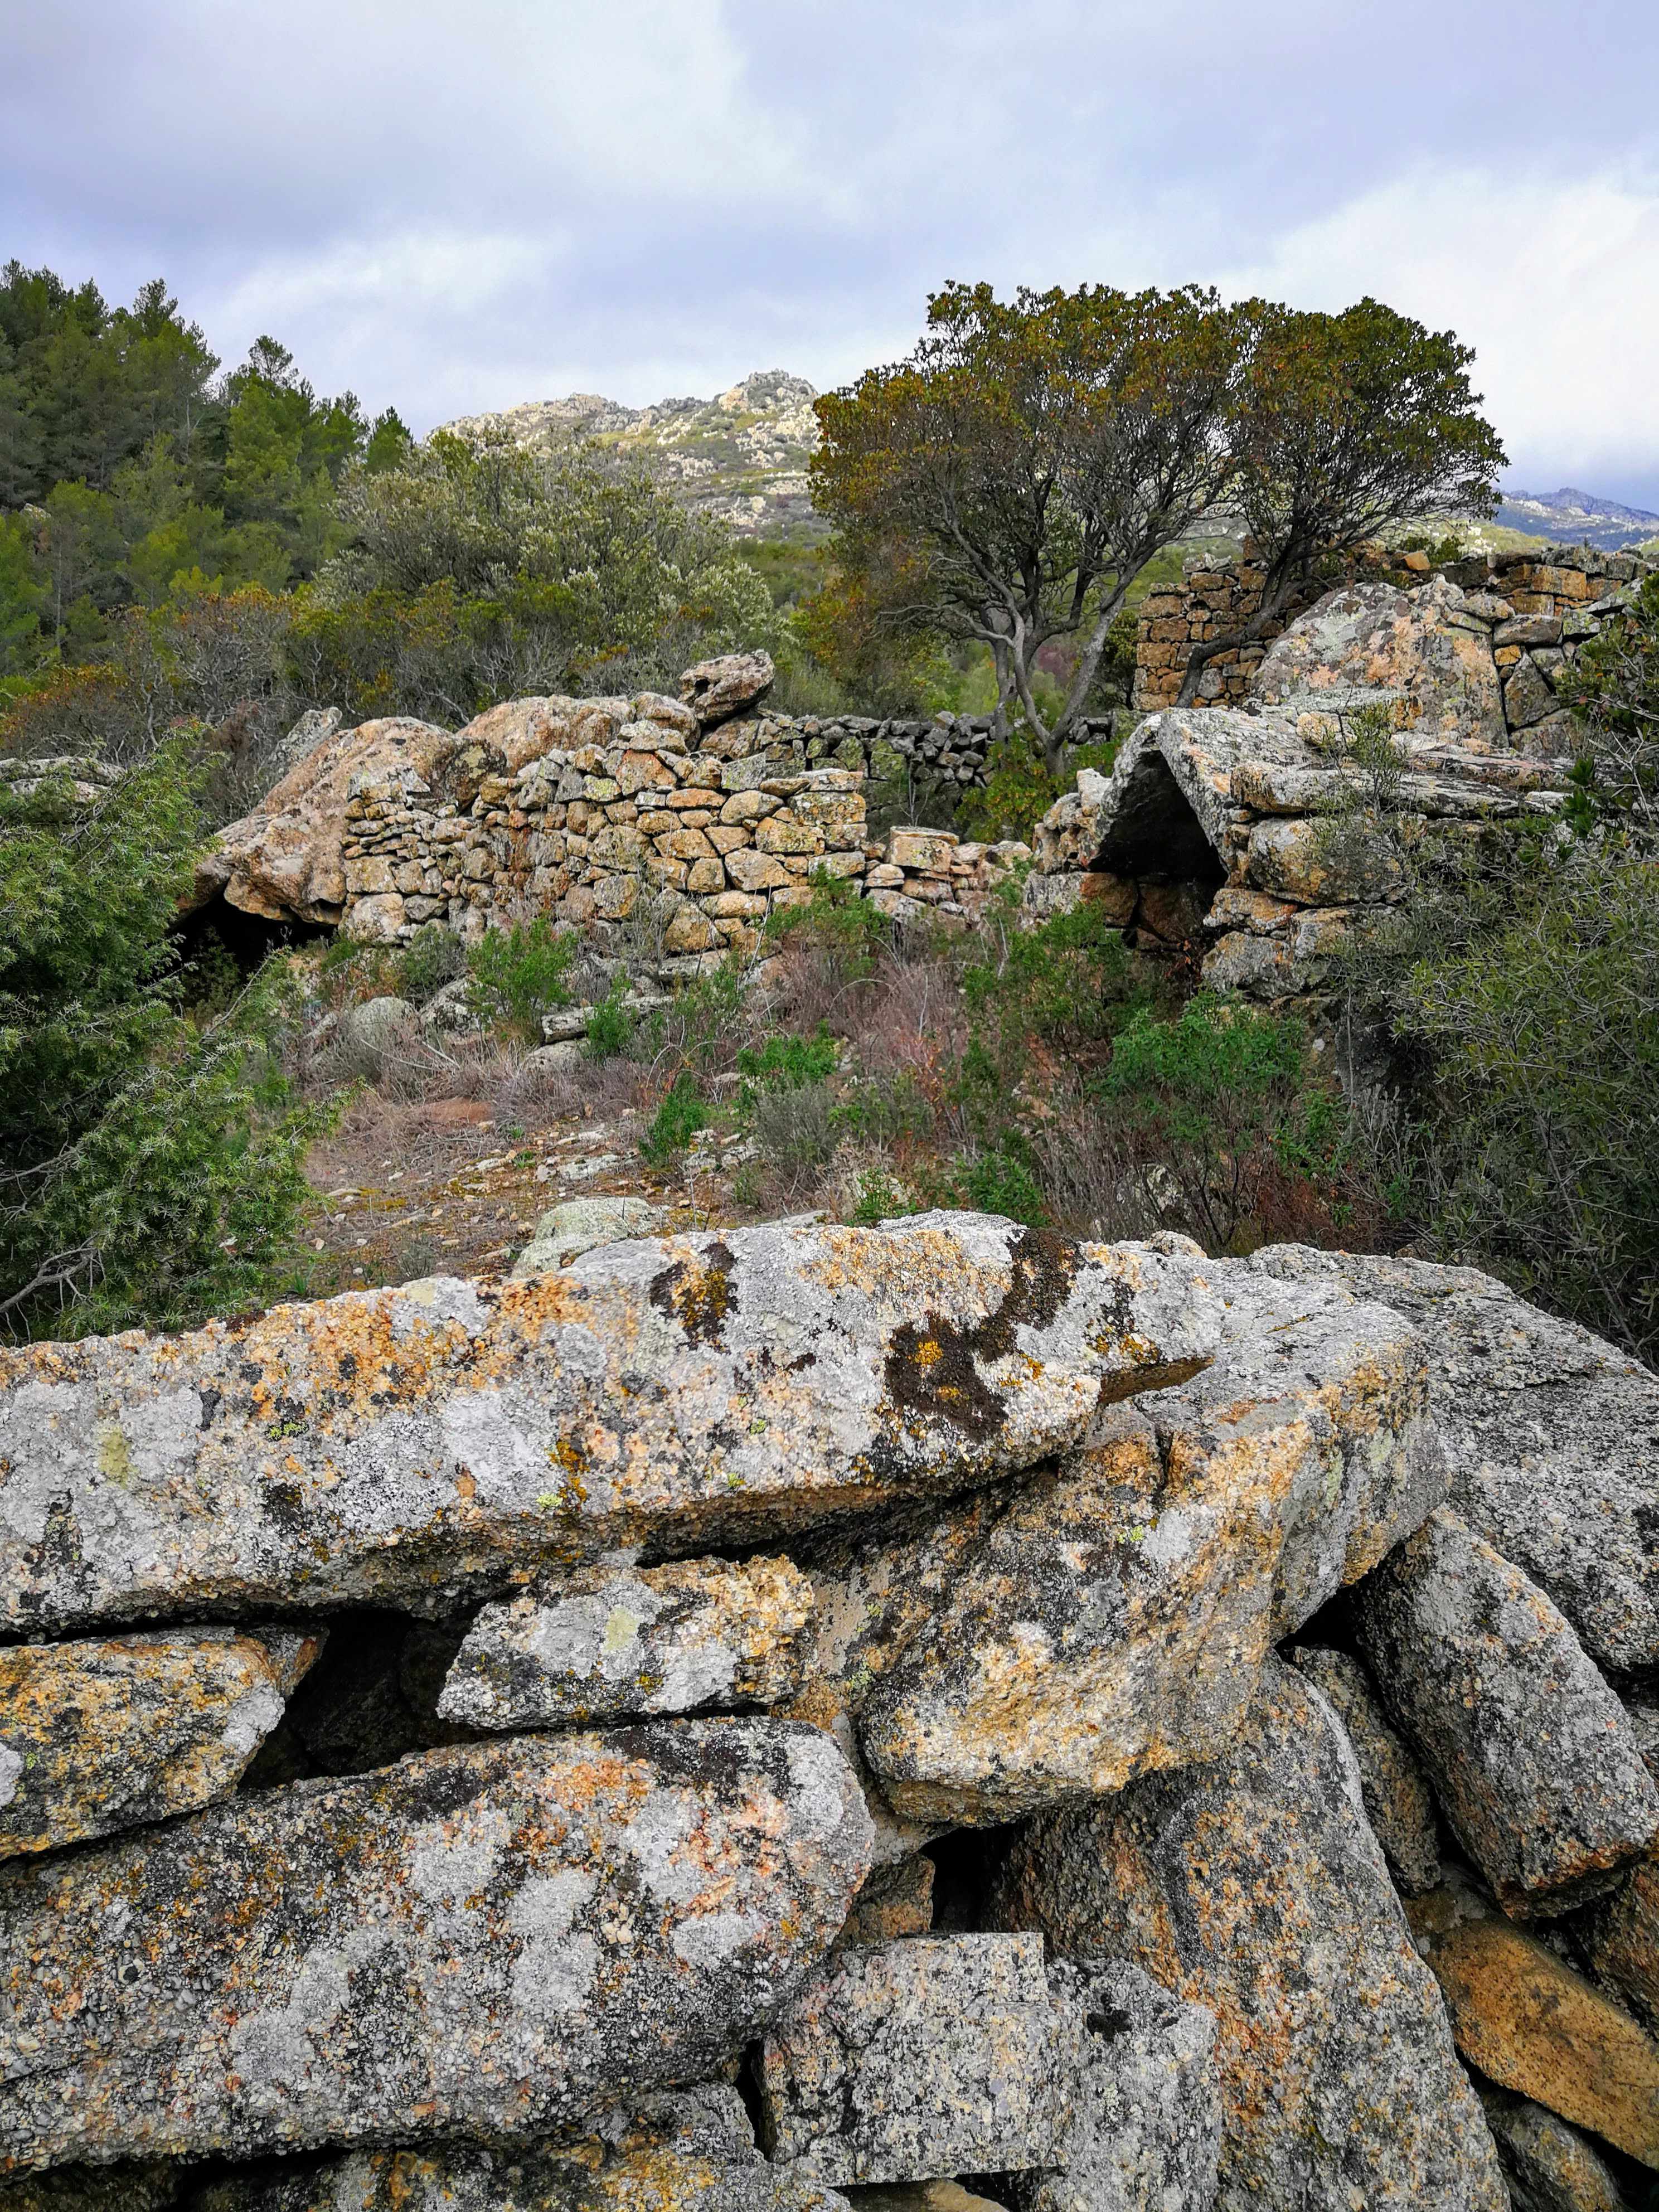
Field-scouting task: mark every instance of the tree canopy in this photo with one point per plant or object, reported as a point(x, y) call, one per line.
point(1006, 482)
point(1344, 427)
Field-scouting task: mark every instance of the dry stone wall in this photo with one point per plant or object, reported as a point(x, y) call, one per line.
point(721, 834)
point(1554, 599)
point(733, 1585)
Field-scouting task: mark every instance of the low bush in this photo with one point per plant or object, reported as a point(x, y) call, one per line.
point(521, 973)
point(153, 1154)
point(683, 1111)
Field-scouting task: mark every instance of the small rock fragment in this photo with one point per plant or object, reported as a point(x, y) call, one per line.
point(108, 1734)
point(564, 1232)
point(696, 1635)
point(919, 2061)
point(483, 1940)
point(1255, 1887)
point(1532, 2025)
point(1398, 1802)
point(1549, 2166)
point(1529, 1751)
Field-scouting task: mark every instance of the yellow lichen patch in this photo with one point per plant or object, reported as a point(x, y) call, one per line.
point(1527, 2020)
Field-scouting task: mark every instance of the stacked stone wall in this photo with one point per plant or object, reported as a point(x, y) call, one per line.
point(723, 837)
point(1551, 597)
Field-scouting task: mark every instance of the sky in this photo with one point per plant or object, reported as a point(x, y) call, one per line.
point(452, 205)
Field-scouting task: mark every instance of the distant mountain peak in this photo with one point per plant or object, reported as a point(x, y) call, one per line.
point(1576, 516)
point(741, 456)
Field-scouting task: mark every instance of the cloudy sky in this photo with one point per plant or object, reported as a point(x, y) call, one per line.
point(454, 204)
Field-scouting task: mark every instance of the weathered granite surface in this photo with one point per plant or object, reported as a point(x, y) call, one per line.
point(937, 2056)
point(1529, 1751)
point(1253, 1887)
point(111, 1734)
point(484, 1939)
point(1398, 1803)
point(1620, 1940)
point(1114, 1621)
point(1144, 2132)
point(1552, 1436)
point(1549, 2166)
point(692, 2151)
point(694, 1635)
point(1533, 2026)
point(695, 1391)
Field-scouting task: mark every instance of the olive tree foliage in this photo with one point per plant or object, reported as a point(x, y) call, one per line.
point(1005, 483)
point(1341, 427)
point(475, 570)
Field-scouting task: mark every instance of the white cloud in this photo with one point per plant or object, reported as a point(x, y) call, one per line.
point(1554, 281)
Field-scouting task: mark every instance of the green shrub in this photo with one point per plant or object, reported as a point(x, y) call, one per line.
point(1532, 1116)
point(153, 1163)
point(683, 1111)
point(1019, 787)
point(999, 1180)
point(1216, 1112)
point(787, 1063)
point(1614, 693)
point(1066, 985)
point(522, 973)
point(838, 921)
point(434, 955)
point(794, 1127)
point(880, 1198)
point(611, 1027)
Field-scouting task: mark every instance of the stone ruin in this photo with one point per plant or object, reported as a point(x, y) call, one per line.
point(1213, 831)
point(750, 1718)
point(715, 811)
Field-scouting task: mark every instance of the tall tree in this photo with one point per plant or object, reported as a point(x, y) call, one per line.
point(1006, 482)
point(1342, 426)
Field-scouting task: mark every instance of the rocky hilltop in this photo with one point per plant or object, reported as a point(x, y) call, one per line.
point(745, 1719)
point(741, 456)
point(1579, 517)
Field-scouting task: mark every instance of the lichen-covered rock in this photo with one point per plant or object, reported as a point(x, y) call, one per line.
point(1552, 1435)
point(102, 1736)
point(1549, 2166)
point(940, 2055)
point(1253, 1887)
point(694, 1391)
point(1417, 643)
point(1534, 2026)
point(896, 1901)
point(1620, 1938)
point(690, 2152)
point(1144, 2131)
point(695, 1635)
point(1398, 1802)
point(716, 689)
point(564, 1232)
point(1114, 1620)
point(484, 1939)
point(1528, 1750)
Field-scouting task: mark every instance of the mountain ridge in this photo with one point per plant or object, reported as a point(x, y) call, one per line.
point(742, 457)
